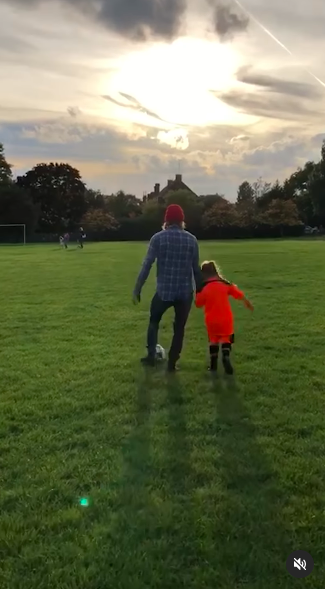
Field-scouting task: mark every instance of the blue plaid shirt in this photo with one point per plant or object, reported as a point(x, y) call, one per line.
point(177, 254)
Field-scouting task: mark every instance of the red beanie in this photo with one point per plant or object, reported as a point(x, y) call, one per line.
point(174, 214)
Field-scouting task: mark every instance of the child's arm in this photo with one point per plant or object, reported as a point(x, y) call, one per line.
point(200, 299)
point(239, 295)
point(248, 304)
point(196, 267)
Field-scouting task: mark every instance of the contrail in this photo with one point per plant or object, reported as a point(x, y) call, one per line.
point(267, 32)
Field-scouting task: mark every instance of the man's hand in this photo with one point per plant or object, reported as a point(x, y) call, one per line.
point(136, 298)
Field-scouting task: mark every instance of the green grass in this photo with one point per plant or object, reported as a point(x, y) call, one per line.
point(189, 482)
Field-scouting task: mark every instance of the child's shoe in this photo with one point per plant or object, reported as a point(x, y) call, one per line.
point(227, 365)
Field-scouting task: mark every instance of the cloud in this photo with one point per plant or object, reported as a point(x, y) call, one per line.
point(278, 16)
point(74, 111)
point(276, 155)
point(177, 138)
point(11, 43)
point(111, 160)
point(271, 106)
point(239, 139)
point(138, 106)
point(227, 20)
point(133, 104)
point(57, 133)
point(138, 19)
point(278, 85)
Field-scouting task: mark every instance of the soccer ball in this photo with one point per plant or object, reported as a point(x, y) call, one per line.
point(160, 352)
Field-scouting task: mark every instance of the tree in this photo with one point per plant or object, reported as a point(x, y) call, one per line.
point(315, 187)
point(297, 182)
point(305, 208)
point(222, 214)
point(323, 153)
point(245, 204)
point(5, 168)
point(209, 200)
point(316, 190)
point(16, 206)
point(275, 192)
point(98, 220)
point(281, 213)
point(59, 191)
point(297, 187)
point(246, 216)
point(245, 194)
point(94, 199)
point(122, 205)
point(260, 188)
point(153, 213)
point(190, 203)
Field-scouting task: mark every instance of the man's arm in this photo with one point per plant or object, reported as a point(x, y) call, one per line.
point(196, 267)
point(146, 267)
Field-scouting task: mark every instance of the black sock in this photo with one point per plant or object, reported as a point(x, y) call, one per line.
point(226, 349)
point(214, 352)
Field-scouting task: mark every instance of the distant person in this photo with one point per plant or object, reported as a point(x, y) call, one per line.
point(177, 255)
point(62, 241)
point(214, 298)
point(81, 237)
point(66, 239)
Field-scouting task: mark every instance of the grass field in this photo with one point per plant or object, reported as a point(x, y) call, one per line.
point(191, 483)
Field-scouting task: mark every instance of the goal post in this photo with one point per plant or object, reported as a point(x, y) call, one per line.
point(23, 229)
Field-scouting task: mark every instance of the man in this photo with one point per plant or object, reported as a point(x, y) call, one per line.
point(81, 237)
point(66, 238)
point(177, 254)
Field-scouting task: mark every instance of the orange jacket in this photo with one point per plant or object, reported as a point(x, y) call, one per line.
point(214, 297)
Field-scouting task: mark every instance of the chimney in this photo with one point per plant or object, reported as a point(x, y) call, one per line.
point(178, 178)
point(170, 183)
point(157, 188)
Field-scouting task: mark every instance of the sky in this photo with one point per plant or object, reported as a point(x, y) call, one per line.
point(132, 92)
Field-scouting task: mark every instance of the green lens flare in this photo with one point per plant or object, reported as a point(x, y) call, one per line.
point(84, 502)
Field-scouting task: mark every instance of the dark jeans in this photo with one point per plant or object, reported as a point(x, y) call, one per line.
point(158, 308)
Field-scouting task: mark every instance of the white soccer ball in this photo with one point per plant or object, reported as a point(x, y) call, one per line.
point(160, 352)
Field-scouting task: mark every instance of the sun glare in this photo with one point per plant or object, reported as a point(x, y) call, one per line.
point(175, 80)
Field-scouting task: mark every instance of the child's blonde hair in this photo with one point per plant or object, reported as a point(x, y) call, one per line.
point(210, 270)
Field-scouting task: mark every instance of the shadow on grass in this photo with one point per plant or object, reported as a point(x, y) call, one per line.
point(152, 540)
point(251, 541)
point(169, 530)
point(177, 451)
point(127, 541)
point(182, 554)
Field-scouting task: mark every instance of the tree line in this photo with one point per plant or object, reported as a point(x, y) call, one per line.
point(51, 199)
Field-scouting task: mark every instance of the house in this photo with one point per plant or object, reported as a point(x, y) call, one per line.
point(172, 186)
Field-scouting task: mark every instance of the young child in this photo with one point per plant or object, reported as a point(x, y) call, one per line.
point(214, 297)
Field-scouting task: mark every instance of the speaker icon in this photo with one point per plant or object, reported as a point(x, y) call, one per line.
point(299, 564)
